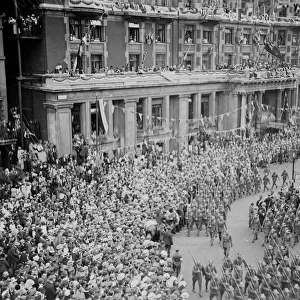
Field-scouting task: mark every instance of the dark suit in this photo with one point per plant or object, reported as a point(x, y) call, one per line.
point(50, 290)
point(167, 238)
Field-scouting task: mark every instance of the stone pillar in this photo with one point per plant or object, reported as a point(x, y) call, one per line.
point(130, 124)
point(3, 92)
point(233, 106)
point(145, 120)
point(166, 112)
point(212, 104)
point(59, 127)
point(289, 97)
point(183, 116)
point(297, 96)
point(259, 105)
point(149, 113)
point(198, 98)
point(110, 120)
point(278, 105)
point(293, 97)
point(85, 119)
point(243, 110)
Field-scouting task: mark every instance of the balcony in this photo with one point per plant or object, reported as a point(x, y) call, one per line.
point(282, 49)
point(27, 30)
point(161, 47)
point(229, 48)
point(135, 47)
point(189, 48)
point(246, 48)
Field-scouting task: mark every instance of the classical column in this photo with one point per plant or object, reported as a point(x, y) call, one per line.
point(130, 124)
point(85, 119)
point(110, 120)
point(293, 97)
point(259, 105)
point(279, 105)
point(243, 110)
point(297, 96)
point(166, 112)
point(233, 106)
point(212, 104)
point(289, 98)
point(59, 127)
point(149, 112)
point(183, 116)
point(3, 91)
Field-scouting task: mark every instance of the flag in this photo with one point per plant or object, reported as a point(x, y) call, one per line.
point(102, 122)
point(256, 37)
point(272, 49)
point(144, 54)
point(78, 63)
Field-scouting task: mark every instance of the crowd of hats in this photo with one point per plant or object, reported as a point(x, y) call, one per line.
point(74, 233)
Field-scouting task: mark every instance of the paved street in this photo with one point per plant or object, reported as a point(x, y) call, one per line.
point(237, 223)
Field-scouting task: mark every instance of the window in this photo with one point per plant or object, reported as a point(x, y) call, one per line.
point(205, 106)
point(189, 36)
point(295, 39)
point(229, 36)
point(134, 33)
point(134, 62)
point(160, 36)
point(139, 115)
point(246, 39)
point(191, 111)
point(75, 29)
point(281, 38)
point(97, 31)
point(294, 62)
point(262, 38)
point(75, 113)
point(97, 62)
point(156, 115)
point(229, 60)
point(282, 11)
point(207, 37)
point(161, 60)
point(206, 62)
point(79, 62)
point(188, 62)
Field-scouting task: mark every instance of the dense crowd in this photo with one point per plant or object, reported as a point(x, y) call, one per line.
point(75, 227)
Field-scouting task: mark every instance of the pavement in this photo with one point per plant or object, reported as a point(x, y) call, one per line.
point(237, 223)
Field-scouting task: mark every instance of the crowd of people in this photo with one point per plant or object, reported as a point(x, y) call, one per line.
point(75, 228)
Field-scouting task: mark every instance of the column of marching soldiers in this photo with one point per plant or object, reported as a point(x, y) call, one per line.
point(277, 277)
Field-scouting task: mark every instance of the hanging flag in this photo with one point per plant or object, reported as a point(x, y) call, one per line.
point(78, 62)
point(144, 54)
point(103, 125)
point(273, 49)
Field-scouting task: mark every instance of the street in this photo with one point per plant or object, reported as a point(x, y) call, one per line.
point(237, 223)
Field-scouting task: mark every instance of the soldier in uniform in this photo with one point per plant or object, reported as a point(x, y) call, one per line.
point(225, 282)
point(196, 219)
point(252, 290)
point(287, 240)
point(249, 276)
point(267, 226)
point(209, 270)
point(251, 214)
point(268, 254)
point(204, 219)
point(275, 177)
point(265, 285)
point(221, 227)
point(212, 228)
point(238, 292)
point(266, 182)
point(285, 177)
point(177, 260)
point(189, 220)
point(227, 264)
point(262, 271)
point(197, 276)
point(255, 227)
point(214, 291)
point(226, 243)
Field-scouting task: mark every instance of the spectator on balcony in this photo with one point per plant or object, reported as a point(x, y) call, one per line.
point(188, 39)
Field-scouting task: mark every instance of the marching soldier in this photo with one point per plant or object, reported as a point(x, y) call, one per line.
point(251, 214)
point(252, 290)
point(268, 254)
point(196, 219)
point(275, 177)
point(225, 282)
point(226, 243)
point(197, 276)
point(221, 227)
point(189, 220)
point(214, 291)
point(266, 182)
point(255, 227)
point(287, 240)
point(212, 228)
point(177, 260)
point(285, 177)
point(209, 271)
point(227, 265)
point(265, 285)
point(249, 276)
point(238, 292)
point(267, 226)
